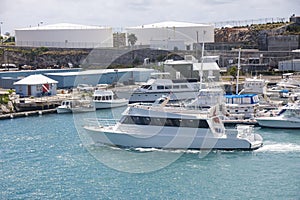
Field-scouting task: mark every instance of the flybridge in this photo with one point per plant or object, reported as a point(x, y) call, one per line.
point(242, 99)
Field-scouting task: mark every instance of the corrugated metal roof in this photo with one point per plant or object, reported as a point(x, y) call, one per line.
point(64, 26)
point(35, 79)
point(169, 24)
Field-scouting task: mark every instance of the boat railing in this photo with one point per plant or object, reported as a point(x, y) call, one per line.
point(100, 122)
point(245, 131)
point(241, 131)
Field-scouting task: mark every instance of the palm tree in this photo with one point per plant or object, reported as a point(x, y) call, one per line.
point(132, 39)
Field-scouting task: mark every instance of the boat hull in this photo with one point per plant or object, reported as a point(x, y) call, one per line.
point(110, 104)
point(277, 122)
point(168, 138)
point(62, 110)
point(151, 97)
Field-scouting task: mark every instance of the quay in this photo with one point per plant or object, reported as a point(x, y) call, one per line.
point(26, 114)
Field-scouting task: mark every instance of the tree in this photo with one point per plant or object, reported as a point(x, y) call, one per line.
point(233, 71)
point(132, 39)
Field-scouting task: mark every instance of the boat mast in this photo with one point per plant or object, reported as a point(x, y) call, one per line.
point(238, 72)
point(202, 60)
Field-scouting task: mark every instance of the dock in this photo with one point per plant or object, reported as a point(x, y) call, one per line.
point(27, 114)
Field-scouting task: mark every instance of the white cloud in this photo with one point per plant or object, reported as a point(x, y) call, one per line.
point(121, 13)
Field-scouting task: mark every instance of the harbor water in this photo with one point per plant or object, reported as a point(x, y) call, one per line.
point(47, 157)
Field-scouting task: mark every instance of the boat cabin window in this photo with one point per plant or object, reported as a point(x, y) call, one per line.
point(160, 87)
point(175, 86)
point(184, 87)
point(156, 121)
point(168, 87)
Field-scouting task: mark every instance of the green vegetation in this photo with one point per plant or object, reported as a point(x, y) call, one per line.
point(293, 29)
point(132, 39)
point(268, 26)
point(4, 99)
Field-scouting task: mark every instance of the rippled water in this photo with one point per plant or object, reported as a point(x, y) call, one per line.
point(43, 157)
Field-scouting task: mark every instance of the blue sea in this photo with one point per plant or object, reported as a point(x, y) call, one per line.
point(49, 157)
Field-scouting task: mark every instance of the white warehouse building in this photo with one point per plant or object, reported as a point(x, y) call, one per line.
point(170, 35)
point(65, 35)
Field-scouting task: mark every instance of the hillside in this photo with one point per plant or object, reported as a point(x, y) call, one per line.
point(251, 34)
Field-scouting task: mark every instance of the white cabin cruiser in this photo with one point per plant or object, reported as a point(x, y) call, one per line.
point(75, 106)
point(155, 88)
point(206, 98)
point(236, 107)
point(288, 117)
point(255, 85)
point(289, 80)
point(242, 106)
point(159, 126)
point(107, 99)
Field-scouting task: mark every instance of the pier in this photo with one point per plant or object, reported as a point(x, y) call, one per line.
point(27, 114)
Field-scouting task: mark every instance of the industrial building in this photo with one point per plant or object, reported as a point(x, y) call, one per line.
point(190, 68)
point(8, 78)
point(289, 65)
point(65, 35)
point(101, 76)
point(69, 78)
point(172, 35)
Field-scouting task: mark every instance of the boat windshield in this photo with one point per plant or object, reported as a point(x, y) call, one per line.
point(147, 87)
point(291, 113)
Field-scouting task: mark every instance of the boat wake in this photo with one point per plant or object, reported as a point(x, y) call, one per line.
point(166, 150)
point(279, 147)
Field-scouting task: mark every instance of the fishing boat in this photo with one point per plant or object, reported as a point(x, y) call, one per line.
point(288, 117)
point(75, 106)
point(159, 126)
point(107, 99)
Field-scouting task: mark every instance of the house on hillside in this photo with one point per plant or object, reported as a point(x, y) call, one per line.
point(36, 85)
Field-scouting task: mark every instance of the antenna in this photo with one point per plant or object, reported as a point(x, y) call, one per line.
point(238, 72)
point(202, 60)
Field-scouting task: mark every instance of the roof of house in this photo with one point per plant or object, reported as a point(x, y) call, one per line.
point(35, 79)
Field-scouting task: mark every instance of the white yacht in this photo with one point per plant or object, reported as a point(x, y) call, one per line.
point(241, 106)
point(159, 126)
point(154, 88)
point(255, 85)
point(236, 107)
point(289, 80)
point(107, 99)
point(207, 98)
point(75, 106)
point(288, 117)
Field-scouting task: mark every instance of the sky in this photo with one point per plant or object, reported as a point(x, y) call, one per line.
point(119, 14)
